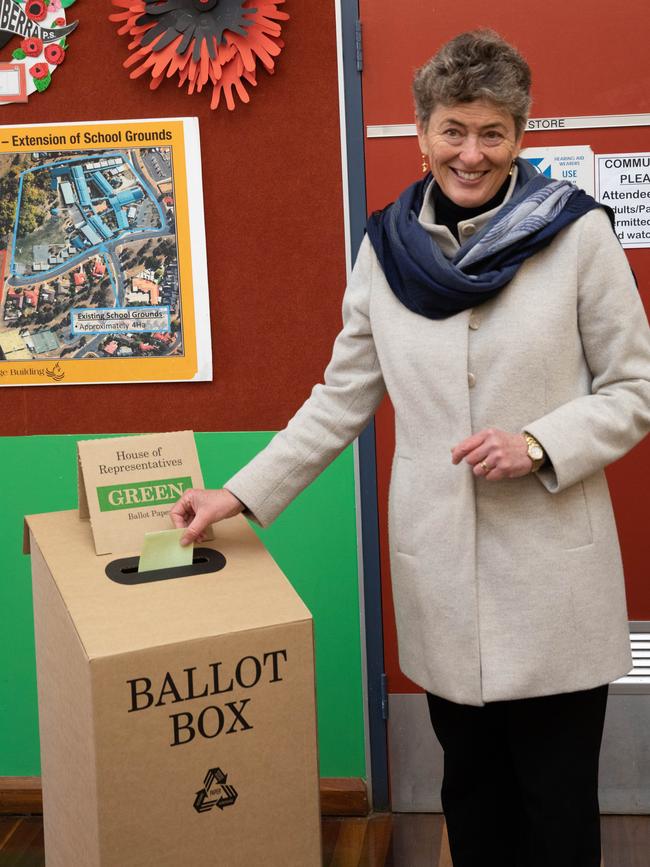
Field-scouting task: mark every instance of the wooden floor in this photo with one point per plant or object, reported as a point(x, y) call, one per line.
point(381, 840)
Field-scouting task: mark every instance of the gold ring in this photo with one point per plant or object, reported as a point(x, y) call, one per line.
point(485, 467)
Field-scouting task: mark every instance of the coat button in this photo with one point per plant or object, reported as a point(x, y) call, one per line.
point(474, 320)
point(468, 229)
point(471, 380)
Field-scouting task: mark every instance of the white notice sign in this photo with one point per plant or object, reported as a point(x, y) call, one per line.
point(570, 163)
point(624, 184)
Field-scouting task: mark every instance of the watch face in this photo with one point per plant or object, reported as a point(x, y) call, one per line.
point(535, 452)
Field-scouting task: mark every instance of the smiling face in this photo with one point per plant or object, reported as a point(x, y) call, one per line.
point(470, 147)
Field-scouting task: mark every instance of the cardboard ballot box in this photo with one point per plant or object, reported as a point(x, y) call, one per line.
point(177, 707)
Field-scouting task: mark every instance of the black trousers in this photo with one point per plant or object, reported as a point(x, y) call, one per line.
point(520, 785)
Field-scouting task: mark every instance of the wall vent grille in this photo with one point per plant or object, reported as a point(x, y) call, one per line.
point(638, 679)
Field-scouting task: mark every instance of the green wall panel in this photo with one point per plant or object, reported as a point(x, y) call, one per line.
point(313, 541)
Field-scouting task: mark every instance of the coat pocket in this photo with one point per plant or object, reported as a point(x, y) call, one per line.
point(401, 504)
point(572, 513)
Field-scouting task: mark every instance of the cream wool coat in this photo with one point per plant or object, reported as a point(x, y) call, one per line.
point(506, 589)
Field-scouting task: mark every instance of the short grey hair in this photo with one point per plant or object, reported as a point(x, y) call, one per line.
point(475, 65)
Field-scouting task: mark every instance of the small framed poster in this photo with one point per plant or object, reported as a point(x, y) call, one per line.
point(13, 85)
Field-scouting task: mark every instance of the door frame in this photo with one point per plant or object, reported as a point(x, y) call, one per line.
point(349, 54)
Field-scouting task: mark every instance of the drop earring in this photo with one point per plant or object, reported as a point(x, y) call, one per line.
point(425, 165)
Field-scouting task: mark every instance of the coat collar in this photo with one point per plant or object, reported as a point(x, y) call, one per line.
point(466, 228)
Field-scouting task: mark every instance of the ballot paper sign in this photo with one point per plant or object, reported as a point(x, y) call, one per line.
point(128, 485)
point(573, 163)
point(624, 185)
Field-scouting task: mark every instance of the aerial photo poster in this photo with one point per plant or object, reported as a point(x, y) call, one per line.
point(102, 254)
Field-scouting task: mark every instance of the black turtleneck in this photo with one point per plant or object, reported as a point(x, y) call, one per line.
point(449, 214)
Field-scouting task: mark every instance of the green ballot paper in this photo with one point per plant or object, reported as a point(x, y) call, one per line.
point(163, 550)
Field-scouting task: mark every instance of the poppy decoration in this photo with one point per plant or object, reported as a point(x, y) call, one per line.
point(203, 42)
point(43, 31)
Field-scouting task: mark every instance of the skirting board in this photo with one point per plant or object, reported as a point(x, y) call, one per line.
point(339, 796)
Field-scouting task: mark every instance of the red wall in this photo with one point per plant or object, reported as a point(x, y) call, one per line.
point(273, 214)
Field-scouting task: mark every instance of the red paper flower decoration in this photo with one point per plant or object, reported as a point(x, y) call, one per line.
point(202, 41)
point(36, 9)
point(42, 32)
point(39, 70)
point(32, 46)
point(54, 54)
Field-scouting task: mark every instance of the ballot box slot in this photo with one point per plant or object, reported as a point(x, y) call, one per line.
point(125, 570)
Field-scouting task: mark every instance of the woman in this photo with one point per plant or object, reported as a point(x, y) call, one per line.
point(498, 310)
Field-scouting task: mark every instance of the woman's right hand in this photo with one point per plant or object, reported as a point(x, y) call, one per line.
point(198, 508)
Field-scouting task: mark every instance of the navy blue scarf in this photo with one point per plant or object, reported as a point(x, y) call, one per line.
point(428, 283)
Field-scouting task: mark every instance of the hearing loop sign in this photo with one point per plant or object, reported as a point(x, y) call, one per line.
point(573, 163)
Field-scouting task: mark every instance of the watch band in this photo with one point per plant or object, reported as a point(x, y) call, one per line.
point(535, 451)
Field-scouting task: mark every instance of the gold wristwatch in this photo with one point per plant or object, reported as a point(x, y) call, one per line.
point(535, 452)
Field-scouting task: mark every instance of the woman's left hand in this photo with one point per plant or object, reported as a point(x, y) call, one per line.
point(494, 454)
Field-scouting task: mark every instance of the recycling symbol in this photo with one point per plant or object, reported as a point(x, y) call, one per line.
point(215, 792)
